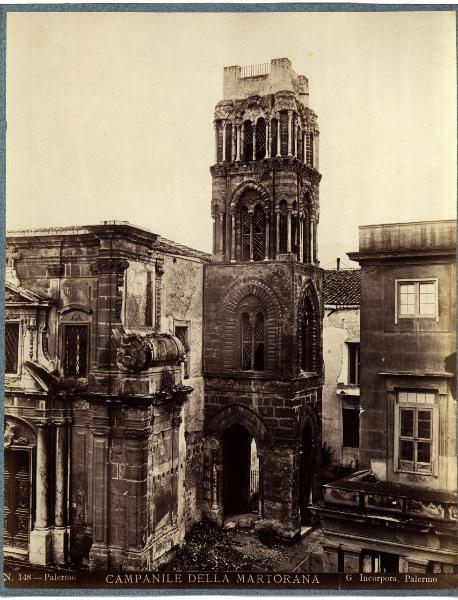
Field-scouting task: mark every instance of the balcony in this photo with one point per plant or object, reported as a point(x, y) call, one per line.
point(364, 493)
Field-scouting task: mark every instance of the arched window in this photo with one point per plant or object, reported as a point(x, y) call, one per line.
point(309, 337)
point(246, 233)
point(284, 133)
point(228, 153)
point(259, 233)
point(273, 136)
point(247, 141)
point(219, 140)
point(260, 139)
point(252, 336)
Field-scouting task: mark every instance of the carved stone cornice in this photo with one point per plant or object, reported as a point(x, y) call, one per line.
point(105, 266)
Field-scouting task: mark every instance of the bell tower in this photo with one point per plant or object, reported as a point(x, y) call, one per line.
point(263, 304)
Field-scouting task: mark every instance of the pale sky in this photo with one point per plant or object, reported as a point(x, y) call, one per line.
point(110, 116)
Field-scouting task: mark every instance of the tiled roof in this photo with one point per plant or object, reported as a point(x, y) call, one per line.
point(170, 247)
point(343, 287)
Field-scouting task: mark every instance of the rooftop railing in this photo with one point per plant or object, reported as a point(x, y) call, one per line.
point(255, 70)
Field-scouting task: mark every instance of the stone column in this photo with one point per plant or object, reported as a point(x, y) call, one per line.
point(214, 233)
point(277, 237)
point(232, 233)
point(316, 152)
point(238, 145)
point(217, 231)
point(101, 430)
point(295, 139)
point(267, 240)
point(40, 552)
point(234, 138)
point(221, 233)
point(268, 138)
point(242, 141)
point(224, 141)
point(250, 213)
point(60, 533)
point(278, 136)
point(312, 241)
point(289, 230)
point(301, 237)
point(254, 140)
point(314, 246)
point(290, 137)
point(216, 141)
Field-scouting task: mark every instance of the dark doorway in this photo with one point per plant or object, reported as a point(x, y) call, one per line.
point(17, 498)
point(305, 475)
point(236, 470)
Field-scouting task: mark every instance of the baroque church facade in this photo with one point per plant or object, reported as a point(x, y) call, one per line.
point(149, 386)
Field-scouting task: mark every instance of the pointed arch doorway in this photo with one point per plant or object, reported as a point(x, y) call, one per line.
point(240, 472)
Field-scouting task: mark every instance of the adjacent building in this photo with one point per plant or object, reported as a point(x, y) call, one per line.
point(399, 512)
point(263, 307)
point(103, 395)
point(341, 355)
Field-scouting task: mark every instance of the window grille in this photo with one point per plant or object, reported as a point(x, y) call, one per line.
point(260, 139)
point(11, 347)
point(75, 350)
point(309, 336)
point(259, 228)
point(259, 343)
point(253, 343)
point(246, 233)
point(248, 141)
point(247, 335)
point(284, 133)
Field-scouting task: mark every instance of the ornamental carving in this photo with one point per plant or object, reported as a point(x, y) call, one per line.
point(139, 352)
point(105, 266)
point(9, 436)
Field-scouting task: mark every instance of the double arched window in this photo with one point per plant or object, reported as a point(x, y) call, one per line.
point(260, 139)
point(252, 234)
point(253, 342)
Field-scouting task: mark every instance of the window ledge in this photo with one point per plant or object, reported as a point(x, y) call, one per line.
point(445, 374)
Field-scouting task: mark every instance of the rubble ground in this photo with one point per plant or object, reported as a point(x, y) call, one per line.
point(208, 548)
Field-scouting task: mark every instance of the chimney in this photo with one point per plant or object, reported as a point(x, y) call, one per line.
point(338, 264)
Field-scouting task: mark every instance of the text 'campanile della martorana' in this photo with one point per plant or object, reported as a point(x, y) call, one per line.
point(263, 303)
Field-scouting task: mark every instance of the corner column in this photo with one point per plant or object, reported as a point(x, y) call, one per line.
point(60, 533)
point(250, 213)
point(224, 141)
point(277, 232)
point(254, 140)
point(238, 144)
point(268, 138)
point(267, 240)
point(289, 230)
point(232, 233)
point(278, 136)
point(40, 552)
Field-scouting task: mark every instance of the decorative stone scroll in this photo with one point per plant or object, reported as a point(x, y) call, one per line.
point(139, 352)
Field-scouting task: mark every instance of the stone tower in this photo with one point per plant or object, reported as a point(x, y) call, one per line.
point(263, 368)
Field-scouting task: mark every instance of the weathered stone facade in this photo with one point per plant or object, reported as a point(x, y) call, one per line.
point(103, 396)
point(399, 513)
point(341, 405)
point(263, 306)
